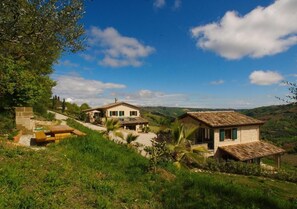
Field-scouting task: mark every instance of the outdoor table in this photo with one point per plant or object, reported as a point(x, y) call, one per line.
point(61, 131)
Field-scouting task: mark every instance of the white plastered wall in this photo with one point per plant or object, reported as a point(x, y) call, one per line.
point(245, 134)
point(124, 108)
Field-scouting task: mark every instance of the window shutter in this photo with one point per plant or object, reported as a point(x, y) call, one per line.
point(222, 135)
point(234, 133)
point(110, 113)
point(211, 134)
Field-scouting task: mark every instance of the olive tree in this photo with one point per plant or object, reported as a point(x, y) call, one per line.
point(33, 35)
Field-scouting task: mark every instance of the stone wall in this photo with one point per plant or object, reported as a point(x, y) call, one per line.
point(23, 119)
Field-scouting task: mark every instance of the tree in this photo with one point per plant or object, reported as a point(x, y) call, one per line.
point(130, 138)
point(84, 106)
point(73, 110)
point(33, 35)
point(182, 152)
point(63, 106)
point(39, 28)
point(291, 98)
point(112, 125)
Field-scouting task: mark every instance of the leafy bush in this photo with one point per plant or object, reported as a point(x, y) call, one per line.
point(6, 122)
point(159, 154)
point(50, 116)
point(145, 129)
point(247, 169)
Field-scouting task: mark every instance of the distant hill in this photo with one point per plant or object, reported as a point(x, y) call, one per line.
point(173, 112)
point(280, 122)
point(165, 115)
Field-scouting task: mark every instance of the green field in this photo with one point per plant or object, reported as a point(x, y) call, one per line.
point(92, 172)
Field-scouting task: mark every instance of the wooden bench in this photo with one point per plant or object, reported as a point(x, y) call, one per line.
point(78, 133)
point(41, 137)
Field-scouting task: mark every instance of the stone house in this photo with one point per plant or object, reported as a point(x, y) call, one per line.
point(230, 135)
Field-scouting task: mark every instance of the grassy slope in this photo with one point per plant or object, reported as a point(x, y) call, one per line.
point(92, 172)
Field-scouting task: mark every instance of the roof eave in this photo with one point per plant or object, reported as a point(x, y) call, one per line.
point(233, 125)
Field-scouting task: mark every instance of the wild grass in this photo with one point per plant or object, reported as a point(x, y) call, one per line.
point(93, 172)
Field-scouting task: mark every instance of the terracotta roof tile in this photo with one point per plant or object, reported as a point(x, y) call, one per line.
point(252, 150)
point(224, 118)
point(104, 107)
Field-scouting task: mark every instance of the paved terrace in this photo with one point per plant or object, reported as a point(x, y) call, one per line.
point(144, 139)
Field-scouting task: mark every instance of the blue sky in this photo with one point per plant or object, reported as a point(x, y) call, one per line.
point(185, 53)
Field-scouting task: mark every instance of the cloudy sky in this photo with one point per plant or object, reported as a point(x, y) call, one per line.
point(186, 53)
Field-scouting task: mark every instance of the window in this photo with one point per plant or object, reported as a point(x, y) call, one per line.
point(228, 134)
point(222, 135)
point(96, 115)
point(207, 133)
point(133, 113)
point(121, 113)
point(113, 113)
point(234, 133)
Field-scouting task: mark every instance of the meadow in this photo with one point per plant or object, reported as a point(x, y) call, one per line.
point(93, 172)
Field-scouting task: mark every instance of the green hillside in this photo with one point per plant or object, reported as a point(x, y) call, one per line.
point(280, 122)
point(172, 111)
point(93, 172)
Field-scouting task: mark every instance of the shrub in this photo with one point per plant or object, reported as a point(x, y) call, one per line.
point(145, 129)
point(159, 154)
point(247, 169)
point(6, 122)
point(50, 116)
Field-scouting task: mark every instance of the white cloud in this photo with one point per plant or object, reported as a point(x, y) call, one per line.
point(264, 31)
point(69, 100)
point(218, 82)
point(118, 50)
point(147, 97)
point(87, 57)
point(177, 4)
point(260, 77)
point(159, 3)
point(67, 63)
point(113, 62)
point(96, 93)
point(80, 90)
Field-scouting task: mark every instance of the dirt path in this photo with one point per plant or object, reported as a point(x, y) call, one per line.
point(144, 139)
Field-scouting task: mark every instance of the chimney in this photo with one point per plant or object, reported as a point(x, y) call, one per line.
point(115, 100)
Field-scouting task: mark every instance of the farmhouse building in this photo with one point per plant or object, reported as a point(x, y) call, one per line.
point(127, 114)
point(230, 135)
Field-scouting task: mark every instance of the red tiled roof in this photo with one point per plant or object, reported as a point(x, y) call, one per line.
point(252, 150)
point(223, 118)
point(104, 107)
